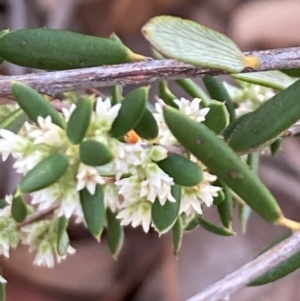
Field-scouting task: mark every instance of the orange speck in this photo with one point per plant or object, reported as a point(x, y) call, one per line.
point(132, 137)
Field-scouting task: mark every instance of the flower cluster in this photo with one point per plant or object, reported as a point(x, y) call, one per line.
point(249, 97)
point(131, 182)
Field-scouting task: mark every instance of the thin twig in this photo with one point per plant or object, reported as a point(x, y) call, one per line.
point(223, 289)
point(39, 215)
point(148, 71)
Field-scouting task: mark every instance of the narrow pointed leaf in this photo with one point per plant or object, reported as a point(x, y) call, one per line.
point(177, 234)
point(166, 95)
point(14, 121)
point(93, 210)
point(224, 163)
point(194, 90)
point(275, 146)
point(213, 228)
point(116, 94)
point(217, 91)
point(94, 153)
point(63, 240)
point(115, 233)
point(282, 269)
point(225, 208)
point(244, 214)
point(294, 72)
point(191, 225)
point(164, 216)
point(45, 173)
point(281, 111)
point(220, 198)
point(18, 209)
point(183, 171)
point(272, 79)
point(79, 121)
point(131, 112)
point(52, 49)
point(217, 118)
point(147, 127)
point(193, 43)
point(34, 104)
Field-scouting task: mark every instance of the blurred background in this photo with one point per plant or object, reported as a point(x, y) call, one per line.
point(147, 269)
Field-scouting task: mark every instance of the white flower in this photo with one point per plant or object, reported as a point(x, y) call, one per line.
point(47, 132)
point(6, 211)
point(2, 280)
point(13, 144)
point(67, 112)
point(8, 235)
point(111, 197)
point(136, 214)
point(27, 162)
point(129, 188)
point(44, 256)
point(192, 108)
point(105, 114)
point(158, 153)
point(70, 204)
point(156, 185)
point(189, 108)
point(88, 177)
point(194, 197)
point(129, 158)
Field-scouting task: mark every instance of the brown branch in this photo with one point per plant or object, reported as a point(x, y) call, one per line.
point(231, 283)
point(39, 215)
point(148, 71)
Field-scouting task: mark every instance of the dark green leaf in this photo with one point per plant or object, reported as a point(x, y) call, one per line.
point(165, 216)
point(177, 234)
point(45, 173)
point(18, 209)
point(115, 233)
point(93, 210)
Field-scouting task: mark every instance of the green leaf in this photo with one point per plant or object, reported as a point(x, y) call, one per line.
point(217, 91)
point(63, 240)
point(116, 94)
point(222, 161)
point(217, 118)
point(213, 228)
point(115, 233)
point(93, 210)
point(183, 171)
point(79, 121)
point(294, 72)
point(14, 121)
point(18, 209)
point(193, 43)
point(131, 112)
point(34, 104)
point(166, 95)
point(177, 234)
point(147, 127)
point(194, 90)
point(280, 270)
point(281, 111)
point(225, 208)
point(244, 214)
point(275, 146)
point(164, 216)
point(191, 225)
point(45, 173)
point(94, 153)
point(52, 49)
point(272, 79)
point(220, 198)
